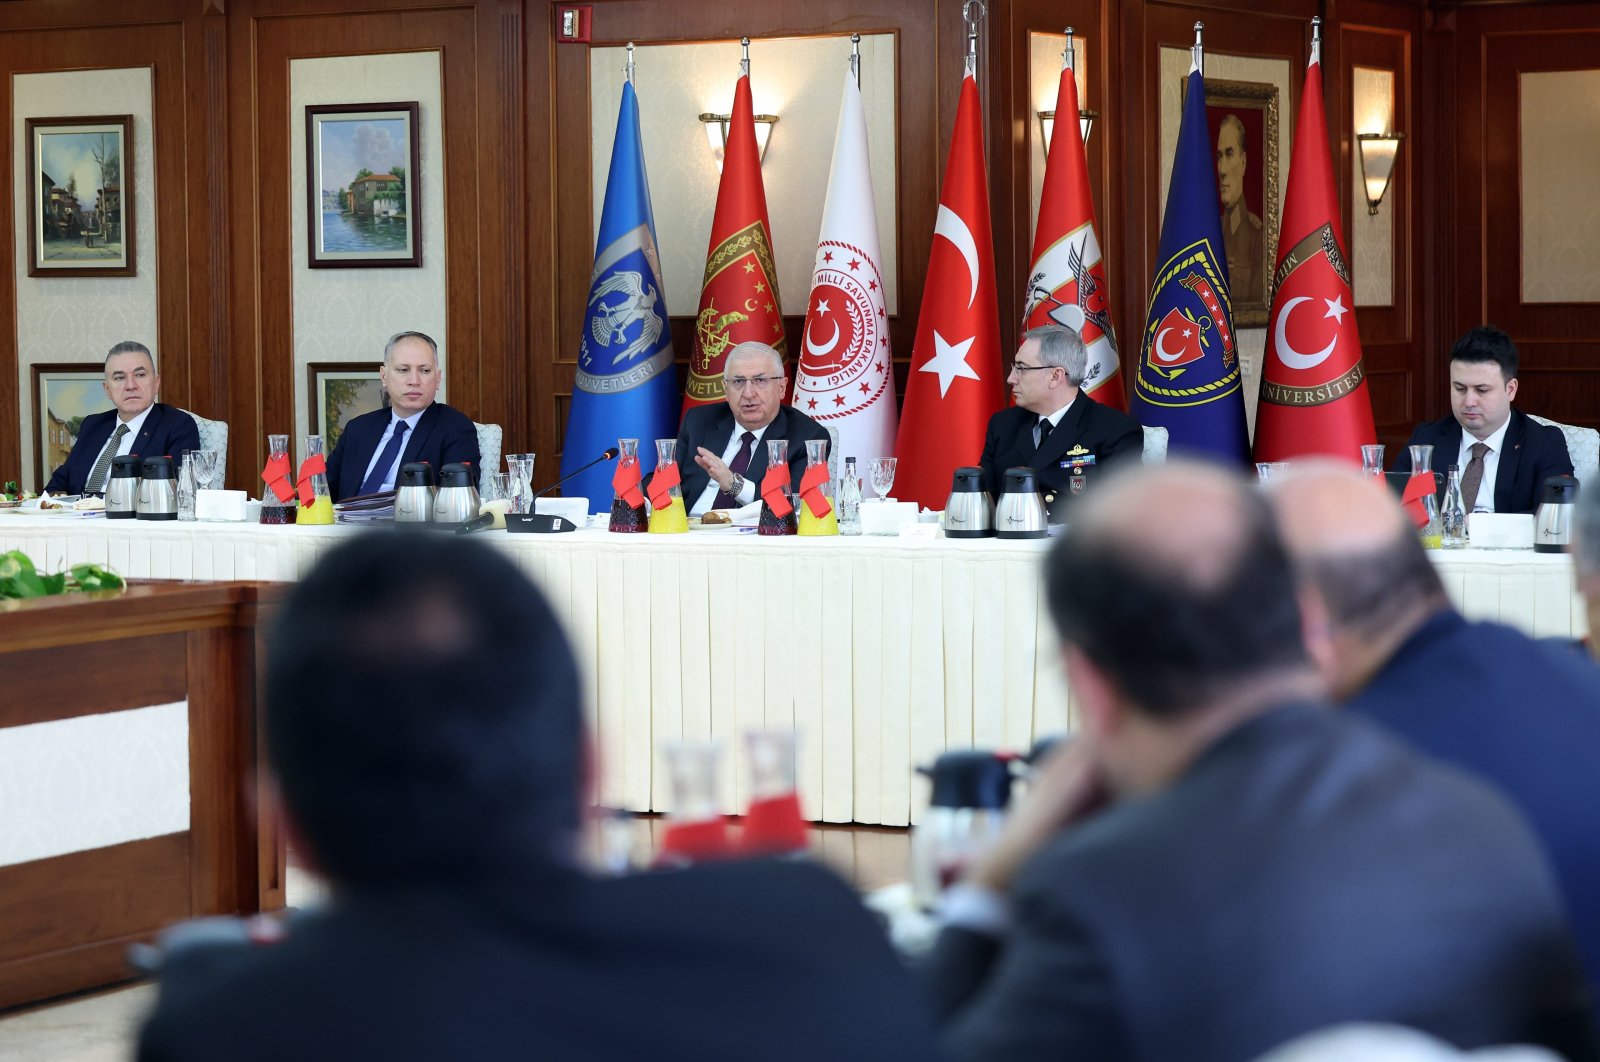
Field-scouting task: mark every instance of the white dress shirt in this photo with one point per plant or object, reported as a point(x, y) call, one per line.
point(1054, 419)
point(388, 433)
point(1491, 464)
point(747, 493)
point(125, 444)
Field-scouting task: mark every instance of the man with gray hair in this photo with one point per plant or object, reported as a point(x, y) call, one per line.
point(138, 425)
point(412, 426)
point(1062, 434)
point(721, 451)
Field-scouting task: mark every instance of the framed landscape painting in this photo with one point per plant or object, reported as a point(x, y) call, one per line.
point(340, 392)
point(62, 396)
point(361, 186)
point(80, 197)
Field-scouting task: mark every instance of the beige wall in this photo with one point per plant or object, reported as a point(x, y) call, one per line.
point(1560, 122)
point(347, 314)
point(800, 81)
point(1371, 235)
point(77, 319)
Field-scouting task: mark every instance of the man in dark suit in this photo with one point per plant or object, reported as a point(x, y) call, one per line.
point(1504, 455)
point(1054, 428)
point(722, 451)
point(441, 793)
point(1521, 713)
point(139, 425)
point(373, 446)
point(1217, 863)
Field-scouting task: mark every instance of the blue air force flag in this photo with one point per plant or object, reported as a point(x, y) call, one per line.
point(1188, 380)
point(625, 385)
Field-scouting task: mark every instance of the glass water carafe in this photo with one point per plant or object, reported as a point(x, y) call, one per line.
point(316, 503)
point(277, 500)
point(519, 482)
point(628, 515)
point(667, 514)
point(1453, 514)
point(695, 830)
point(1422, 465)
point(817, 515)
point(777, 493)
point(773, 821)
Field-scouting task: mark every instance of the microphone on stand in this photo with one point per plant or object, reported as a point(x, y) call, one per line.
point(544, 523)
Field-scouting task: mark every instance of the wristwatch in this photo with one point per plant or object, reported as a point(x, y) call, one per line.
point(736, 485)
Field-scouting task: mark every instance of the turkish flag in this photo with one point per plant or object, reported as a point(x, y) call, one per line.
point(1314, 397)
point(954, 385)
point(739, 292)
point(1067, 278)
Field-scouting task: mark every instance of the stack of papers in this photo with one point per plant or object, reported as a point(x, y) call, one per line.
point(366, 508)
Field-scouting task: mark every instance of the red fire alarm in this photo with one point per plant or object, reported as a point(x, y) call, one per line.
point(573, 23)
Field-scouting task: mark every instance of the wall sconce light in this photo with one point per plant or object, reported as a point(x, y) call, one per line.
point(1378, 153)
point(717, 134)
point(1047, 124)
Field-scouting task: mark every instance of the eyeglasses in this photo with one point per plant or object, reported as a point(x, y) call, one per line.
point(1016, 367)
point(760, 383)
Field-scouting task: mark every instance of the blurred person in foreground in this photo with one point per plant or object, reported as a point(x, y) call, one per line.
point(1521, 713)
point(1217, 863)
point(1586, 560)
point(425, 738)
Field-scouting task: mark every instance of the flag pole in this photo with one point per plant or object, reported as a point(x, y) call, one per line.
point(629, 68)
point(1068, 60)
point(1316, 40)
point(855, 57)
point(972, 13)
point(744, 61)
point(1197, 54)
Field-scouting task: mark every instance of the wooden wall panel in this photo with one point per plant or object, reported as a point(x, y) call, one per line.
point(1490, 48)
point(930, 43)
point(41, 35)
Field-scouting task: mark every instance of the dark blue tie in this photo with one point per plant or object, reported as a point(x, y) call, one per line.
point(391, 450)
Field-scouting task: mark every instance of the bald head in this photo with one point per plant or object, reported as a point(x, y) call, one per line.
point(1354, 544)
point(1173, 580)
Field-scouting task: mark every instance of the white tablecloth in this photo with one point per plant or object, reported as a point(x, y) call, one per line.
point(879, 652)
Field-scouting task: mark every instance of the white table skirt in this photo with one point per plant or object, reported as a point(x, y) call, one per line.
point(878, 652)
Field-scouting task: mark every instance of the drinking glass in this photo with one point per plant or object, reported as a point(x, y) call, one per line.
point(1263, 472)
point(1372, 459)
point(519, 468)
point(498, 488)
point(881, 469)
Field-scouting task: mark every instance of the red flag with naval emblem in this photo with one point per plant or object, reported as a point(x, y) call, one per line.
point(1067, 283)
point(954, 385)
point(1314, 397)
point(739, 295)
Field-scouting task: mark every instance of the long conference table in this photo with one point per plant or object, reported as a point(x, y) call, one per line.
point(879, 653)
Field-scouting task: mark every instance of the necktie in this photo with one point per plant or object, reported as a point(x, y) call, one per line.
point(391, 450)
point(1044, 431)
point(96, 482)
point(1472, 478)
point(740, 462)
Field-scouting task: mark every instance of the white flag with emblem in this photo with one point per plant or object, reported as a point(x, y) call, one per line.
point(846, 375)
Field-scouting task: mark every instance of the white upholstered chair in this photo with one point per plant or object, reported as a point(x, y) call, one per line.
point(1155, 445)
point(213, 436)
point(1583, 446)
point(490, 437)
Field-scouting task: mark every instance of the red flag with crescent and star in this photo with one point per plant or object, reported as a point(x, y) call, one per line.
point(739, 295)
point(954, 385)
point(1067, 284)
point(1314, 397)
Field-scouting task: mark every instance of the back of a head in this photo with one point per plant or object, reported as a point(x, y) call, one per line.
point(422, 713)
point(1351, 540)
point(1172, 578)
point(1487, 344)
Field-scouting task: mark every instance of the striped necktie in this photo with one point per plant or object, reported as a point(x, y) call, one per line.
point(96, 482)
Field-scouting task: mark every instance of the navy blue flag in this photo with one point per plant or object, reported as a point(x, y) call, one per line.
point(1188, 379)
point(625, 387)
